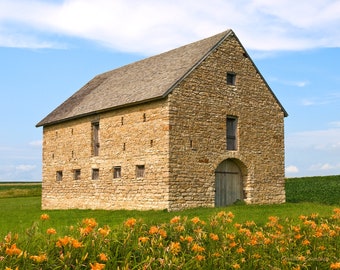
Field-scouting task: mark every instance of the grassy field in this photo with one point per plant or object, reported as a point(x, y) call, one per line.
point(303, 233)
point(20, 206)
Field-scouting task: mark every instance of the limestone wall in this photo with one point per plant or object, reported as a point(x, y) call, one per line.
point(127, 137)
point(198, 111)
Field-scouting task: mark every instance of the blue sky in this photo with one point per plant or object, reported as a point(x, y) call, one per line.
point(51, 48)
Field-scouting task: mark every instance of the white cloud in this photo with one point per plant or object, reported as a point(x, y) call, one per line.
point(321, 100)
point(152, 26)
point(19, 172)
point(36, 143)
point(25, 168)
point(314, 152)
point(301, 83)
point(335, 124)
point(292, 169)
point(324, 167)
point(326, 140)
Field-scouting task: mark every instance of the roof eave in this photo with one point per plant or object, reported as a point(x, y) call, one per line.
point(44, 124)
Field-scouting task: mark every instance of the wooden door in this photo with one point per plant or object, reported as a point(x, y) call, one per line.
point(228, 184)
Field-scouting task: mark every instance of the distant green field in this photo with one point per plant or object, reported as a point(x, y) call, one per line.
point(318, 189)
point(14, 190)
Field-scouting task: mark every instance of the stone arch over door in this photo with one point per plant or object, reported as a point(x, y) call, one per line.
point(228, 183)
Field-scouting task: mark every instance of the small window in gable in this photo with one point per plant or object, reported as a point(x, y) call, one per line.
point(231, 133)
point(140, 171)
point(59, 175)
point(95, 174)
point(76, 174)
point(117, 172)
point(231, 78)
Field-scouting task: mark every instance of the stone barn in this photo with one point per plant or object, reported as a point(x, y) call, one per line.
point(194, 126)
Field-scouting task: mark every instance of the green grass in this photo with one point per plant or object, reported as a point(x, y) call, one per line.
point(304, 196)
point(319, 189)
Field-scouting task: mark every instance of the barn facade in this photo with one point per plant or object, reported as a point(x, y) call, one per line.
point(195, 126)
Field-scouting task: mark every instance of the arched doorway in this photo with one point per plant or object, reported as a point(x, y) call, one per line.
point(228, 183)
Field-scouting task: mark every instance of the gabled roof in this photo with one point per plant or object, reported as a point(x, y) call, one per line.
point(149, 79)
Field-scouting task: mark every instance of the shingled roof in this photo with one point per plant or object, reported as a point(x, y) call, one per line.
point(149, 79)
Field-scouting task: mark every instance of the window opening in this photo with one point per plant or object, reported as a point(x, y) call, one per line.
point(231, 78)
point(231, 133)
point(76, 174)
point(122, 120)
point(95, 138)
point(140, 171)
point(59, 175)
point(117, 172)
point(144, 117)
point(95, 174)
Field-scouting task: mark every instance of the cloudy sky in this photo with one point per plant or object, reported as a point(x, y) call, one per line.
point(50, 48)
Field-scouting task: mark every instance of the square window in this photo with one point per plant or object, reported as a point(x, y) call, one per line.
point(231, 78)
point(59, 175)
point(117, 172)
point(140, 171)
point(76, 174)
point(95, 174)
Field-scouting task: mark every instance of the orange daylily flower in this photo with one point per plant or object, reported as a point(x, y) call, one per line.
point(175, 219)
point(13, 250)
point(175, 248)
point(153, 230)
point(97, 266)
point(104, 231)
point(335, 265)
point(44, 217)
point(103, 257)
point(195, 220)
point(90, 222)
point(143, 239)
point(39, 258)
point(197, 248)
point(200, 257)
point(130, 222)
point(76, 243)
point(51, 231)
point(240, 250)
point(214, 236)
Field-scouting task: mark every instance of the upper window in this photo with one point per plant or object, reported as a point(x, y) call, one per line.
point(117, 172)
point(140, 171)
point(95, 138)
point(231, 78)
point(231, 133)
